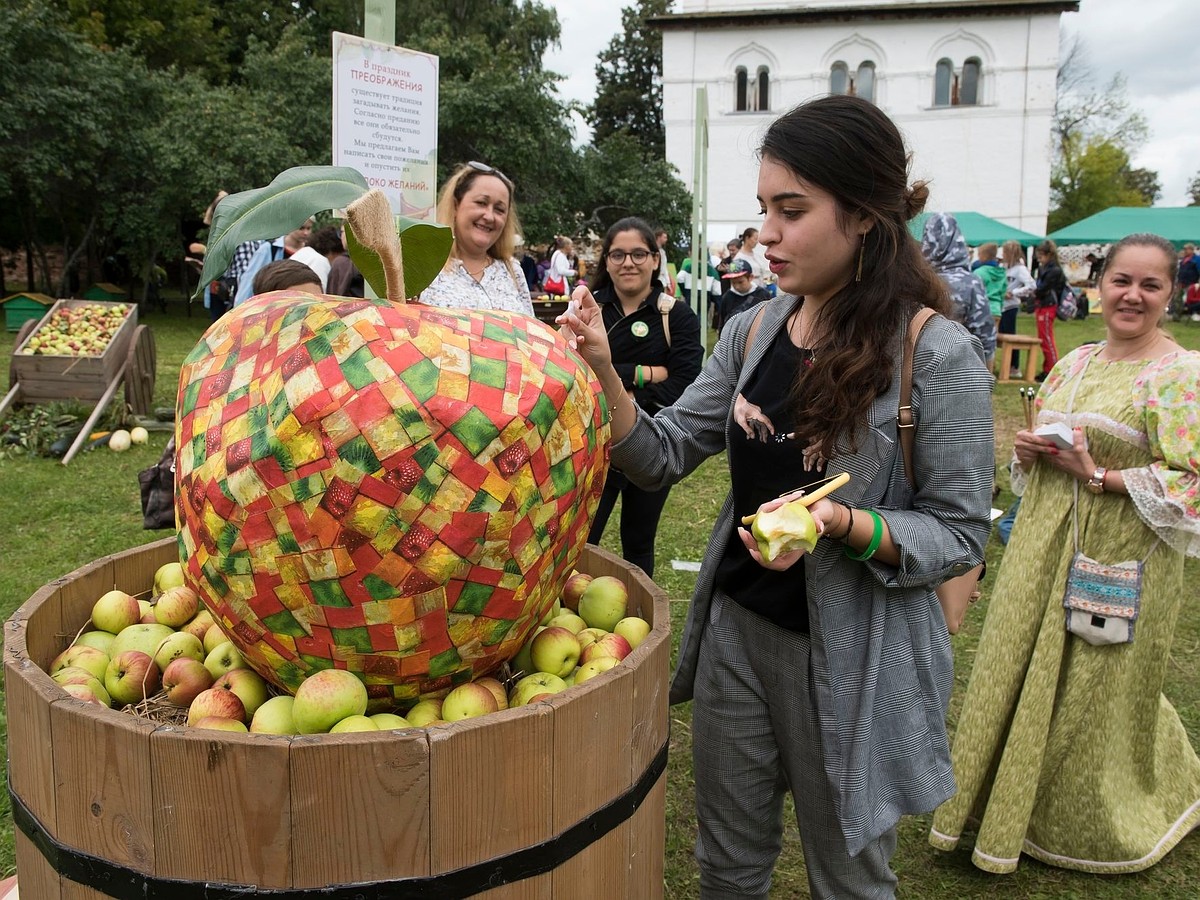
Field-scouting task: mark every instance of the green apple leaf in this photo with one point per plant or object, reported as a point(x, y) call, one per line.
point(282, 206)
point(425, 247)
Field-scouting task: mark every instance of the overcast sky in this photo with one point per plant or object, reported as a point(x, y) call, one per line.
point(1158, 49)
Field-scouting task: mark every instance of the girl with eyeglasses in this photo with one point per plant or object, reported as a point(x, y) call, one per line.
point(481, 272)
point(653, 368)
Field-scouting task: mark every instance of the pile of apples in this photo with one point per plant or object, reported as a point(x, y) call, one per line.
point(77, 330)
point(172, 651)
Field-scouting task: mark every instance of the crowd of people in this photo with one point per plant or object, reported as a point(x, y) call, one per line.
point(828, 674)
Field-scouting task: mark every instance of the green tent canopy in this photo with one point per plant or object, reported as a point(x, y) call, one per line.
point(978, 229)
point(1178, 224)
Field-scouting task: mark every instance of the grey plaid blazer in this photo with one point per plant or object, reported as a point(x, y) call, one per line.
point(881, 654)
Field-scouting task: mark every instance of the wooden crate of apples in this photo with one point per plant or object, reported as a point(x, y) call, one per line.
point(166, 659)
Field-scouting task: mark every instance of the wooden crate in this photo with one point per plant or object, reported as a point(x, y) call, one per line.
point(45, 378)
point(561, 798)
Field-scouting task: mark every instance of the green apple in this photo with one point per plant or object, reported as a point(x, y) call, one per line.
point(101, 640)
point(522, 663)
point(145, 637)
point(467, 701)
point(551, 612)
point(535, 686)
point(177, 645)
point(569, 621)
point(132, 676)
point(353, 723)
point(115, 611)
point(214, 638)
point(603, 603)
point(327, 697)
point(169, 575)
point(224, 658)
point(389, 721)
point(497, 689)
point(87, 658)
point(219, 723)
point(633, 628)
point(275, 716)
point(73, 675)
point(555, 650)
point(593, 668)
point(425, 712)
point(249, 687)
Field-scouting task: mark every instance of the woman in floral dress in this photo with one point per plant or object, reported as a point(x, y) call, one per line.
point(1065, 750)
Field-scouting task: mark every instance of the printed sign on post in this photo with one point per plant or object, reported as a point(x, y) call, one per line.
point(385, 116)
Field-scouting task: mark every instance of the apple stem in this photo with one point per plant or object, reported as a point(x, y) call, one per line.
point(370, 218)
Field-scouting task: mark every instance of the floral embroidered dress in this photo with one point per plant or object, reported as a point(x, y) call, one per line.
point(498, 288)
point(1065, 751)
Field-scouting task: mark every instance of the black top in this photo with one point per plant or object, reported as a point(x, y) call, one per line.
point(760, 472)
point(637, 339)
point(1050, 284)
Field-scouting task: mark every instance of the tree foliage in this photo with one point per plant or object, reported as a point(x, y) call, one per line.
point(125, 117)
point(1095, 131)
point(629, 75)
point(1194, 190)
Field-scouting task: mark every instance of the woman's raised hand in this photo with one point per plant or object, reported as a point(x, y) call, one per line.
point(583, 328)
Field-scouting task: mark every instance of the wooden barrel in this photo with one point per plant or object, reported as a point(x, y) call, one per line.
point(564, 798)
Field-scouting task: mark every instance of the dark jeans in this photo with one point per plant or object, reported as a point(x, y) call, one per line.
point(640, 512)
point(1008, 325)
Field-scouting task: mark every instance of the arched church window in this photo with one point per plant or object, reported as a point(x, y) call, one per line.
point(864, 81)
point(968, 93)
point(741, 104)
point(839, 78)
point(763, 97)
point(943, 79)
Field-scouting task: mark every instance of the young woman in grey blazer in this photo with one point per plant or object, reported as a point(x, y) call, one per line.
point(827, 674)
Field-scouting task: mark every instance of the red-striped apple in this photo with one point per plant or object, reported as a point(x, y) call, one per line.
point(175, 607)
point(132, 676)
point(634, 629)
point(223, 704)
point(603, 602)
point(610, 645)
point(467, 701)
point(115, 611)
point(184, 679)
point(555, 650)
point(249, 687)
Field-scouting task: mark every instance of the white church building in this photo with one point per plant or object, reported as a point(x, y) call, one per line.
point(970, 83)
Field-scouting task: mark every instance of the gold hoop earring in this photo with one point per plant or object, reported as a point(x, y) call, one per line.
point(861, 248)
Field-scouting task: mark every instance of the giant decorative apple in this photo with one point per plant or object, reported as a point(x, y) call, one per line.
point(399, 489)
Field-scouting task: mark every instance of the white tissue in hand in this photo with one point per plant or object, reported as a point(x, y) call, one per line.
point(1058, 433)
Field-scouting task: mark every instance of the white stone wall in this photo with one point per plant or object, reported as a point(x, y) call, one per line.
point(993, 158)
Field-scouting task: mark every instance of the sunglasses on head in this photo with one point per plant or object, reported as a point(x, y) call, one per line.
point(490, 170)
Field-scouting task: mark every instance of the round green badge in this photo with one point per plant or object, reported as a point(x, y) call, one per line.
point(639, 329)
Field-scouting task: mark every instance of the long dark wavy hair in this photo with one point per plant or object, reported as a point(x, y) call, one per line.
point(846, 147)
point(645, 232)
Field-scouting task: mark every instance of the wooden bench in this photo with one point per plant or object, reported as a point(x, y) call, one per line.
point(1006, 345)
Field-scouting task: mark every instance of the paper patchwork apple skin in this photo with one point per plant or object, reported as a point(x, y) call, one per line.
point(397, 490)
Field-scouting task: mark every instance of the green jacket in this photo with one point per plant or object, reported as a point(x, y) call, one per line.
point(995, 283)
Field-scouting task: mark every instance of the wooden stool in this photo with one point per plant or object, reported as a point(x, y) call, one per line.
point(1007, 344)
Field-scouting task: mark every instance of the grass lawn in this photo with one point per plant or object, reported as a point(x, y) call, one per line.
point(54, 519)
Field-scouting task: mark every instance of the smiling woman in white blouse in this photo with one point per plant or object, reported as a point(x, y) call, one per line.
point(477, 203)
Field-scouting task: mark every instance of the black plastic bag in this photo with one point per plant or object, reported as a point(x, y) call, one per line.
point(157, 485)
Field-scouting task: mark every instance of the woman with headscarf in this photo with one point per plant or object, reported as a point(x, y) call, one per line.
point(945, 247)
